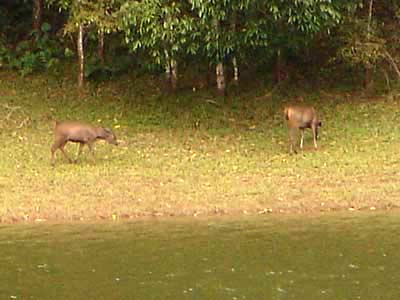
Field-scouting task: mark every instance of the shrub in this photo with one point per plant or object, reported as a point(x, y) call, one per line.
point(37, 53)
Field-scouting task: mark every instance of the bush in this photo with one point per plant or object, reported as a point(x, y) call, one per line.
point(37, 53)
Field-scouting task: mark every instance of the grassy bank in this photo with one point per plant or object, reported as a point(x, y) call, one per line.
point(190, 154)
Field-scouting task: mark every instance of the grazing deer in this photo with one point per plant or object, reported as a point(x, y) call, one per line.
point(301, 117)
point(77, 132)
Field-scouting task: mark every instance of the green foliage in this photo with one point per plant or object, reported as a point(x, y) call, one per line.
point(361, 47)
point(100, 14)
point(162, 28)
point(97, 71)
point(223, 26)
point(4, 52)
point(163, 32)
point(219, 29)
point(39, 52)
point(293, 25)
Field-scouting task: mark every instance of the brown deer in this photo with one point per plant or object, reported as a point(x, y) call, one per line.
point(77, 132)
point(300, 117)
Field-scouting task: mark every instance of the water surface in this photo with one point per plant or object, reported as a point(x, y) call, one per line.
point(354, 256)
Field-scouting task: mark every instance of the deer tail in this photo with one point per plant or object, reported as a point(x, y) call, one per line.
point(55, 124)
point(286, 113)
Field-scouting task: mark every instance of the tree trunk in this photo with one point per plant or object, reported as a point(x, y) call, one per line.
point(392, 63)
point(235, 71)
point(219, 70)
point(234, 60)
point(171, 73)
point(174, 75)
point(167, 72)
point(278, 67)
point(81, 57)
point(37, 14)
point(100, 47)
point(367, 78)
point(168, 77)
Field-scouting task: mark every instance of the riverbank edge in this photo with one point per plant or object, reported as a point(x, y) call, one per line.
point(303, 211)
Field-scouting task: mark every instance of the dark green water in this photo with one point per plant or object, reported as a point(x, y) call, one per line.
point(270, 257)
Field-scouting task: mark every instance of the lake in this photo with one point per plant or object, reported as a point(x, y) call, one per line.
point(333, 256)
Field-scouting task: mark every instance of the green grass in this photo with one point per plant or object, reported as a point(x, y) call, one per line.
point(190, 154)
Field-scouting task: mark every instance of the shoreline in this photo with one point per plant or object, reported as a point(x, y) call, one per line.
point(195, 214)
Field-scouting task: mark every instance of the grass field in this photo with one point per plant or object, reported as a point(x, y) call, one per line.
point(192, 153)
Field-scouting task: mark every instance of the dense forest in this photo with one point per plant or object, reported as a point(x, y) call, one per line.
point(215, 43)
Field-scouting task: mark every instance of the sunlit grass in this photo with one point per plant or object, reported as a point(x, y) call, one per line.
point(191, 153)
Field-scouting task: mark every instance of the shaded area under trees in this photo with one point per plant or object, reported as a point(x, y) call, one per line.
point(283, 38)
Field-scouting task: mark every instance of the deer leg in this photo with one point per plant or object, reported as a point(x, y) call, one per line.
point(302, 138)
point(65, 154)
point(58, 144)
point(79, 151)
point(54, 147)
point(292, 133)
point(315, 136)
point(90, 145)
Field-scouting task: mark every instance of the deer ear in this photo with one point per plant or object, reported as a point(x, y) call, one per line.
point(107, 130)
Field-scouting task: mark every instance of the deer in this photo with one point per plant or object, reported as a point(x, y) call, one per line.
point(300, 117)
point(78, 132)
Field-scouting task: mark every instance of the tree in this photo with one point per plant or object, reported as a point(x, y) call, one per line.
point(219, 35)
point(165, 29)
point(292, 25)
point(37, 14)
point(230, 27)
point(84, 14)
point(371, 40)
